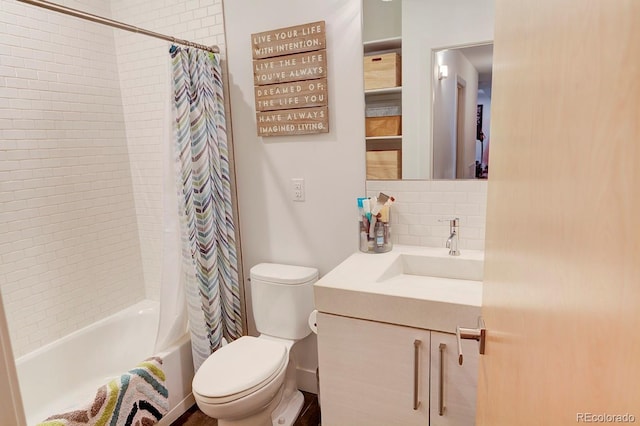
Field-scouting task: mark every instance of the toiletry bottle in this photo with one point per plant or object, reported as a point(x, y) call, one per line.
point(385, 218)
point(364, 241)
point(379, 246)
point(372, 227)
point(384, 214)
point(387, 235)
point(361, 206)
point(366, 208)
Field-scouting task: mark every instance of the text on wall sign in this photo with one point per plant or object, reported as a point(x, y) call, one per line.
point(290, 80)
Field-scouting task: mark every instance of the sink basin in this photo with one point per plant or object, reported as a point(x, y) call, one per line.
point(450, 267)
point(420, 287)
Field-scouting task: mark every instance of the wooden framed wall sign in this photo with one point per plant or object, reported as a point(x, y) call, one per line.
point(290, 80)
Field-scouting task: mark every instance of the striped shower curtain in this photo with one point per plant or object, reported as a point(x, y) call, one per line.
point(210, 265)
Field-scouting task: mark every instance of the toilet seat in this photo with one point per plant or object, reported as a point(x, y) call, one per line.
point(239, 369)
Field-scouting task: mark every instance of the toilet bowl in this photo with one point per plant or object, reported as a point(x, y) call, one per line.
point(251, 373)
point(252, 380)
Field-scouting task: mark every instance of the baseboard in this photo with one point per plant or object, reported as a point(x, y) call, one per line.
point(180, 408)
point(306, 380)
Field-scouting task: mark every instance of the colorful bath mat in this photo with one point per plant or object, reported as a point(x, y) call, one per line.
point(137, 398)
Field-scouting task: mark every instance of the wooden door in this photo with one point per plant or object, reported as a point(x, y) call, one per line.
point(562, 272)
point(367, 373)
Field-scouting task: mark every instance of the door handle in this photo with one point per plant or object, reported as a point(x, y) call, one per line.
point(479, 334)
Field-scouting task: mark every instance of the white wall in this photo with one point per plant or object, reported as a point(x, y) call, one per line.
point(144, 71)
point(382, 19)
point(322, 230)
point(428, 25)
point(69, 239)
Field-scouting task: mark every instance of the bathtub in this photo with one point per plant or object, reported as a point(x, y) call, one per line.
point(64, 375)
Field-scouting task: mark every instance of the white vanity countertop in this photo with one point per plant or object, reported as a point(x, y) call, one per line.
point(358, 288)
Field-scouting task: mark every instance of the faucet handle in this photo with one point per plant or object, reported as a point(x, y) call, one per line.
point(454, 221)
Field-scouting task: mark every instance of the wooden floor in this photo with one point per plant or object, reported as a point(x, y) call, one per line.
point(309, 416)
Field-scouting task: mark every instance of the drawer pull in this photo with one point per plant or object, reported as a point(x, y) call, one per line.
point(416, 375)
point(441, 381)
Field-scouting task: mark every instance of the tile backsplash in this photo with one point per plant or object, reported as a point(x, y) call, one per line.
point(421, 205)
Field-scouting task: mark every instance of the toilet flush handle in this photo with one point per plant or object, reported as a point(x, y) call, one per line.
point(478, 334)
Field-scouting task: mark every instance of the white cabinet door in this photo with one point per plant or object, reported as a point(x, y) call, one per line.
point(459, 382)
point(367, 372)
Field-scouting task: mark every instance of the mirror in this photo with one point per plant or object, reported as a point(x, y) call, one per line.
point(423, 32)
point(461, 112)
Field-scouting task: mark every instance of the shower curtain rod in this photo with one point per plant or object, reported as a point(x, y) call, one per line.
point(110, 22)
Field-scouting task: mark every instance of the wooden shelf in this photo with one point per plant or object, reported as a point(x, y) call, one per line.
point(385, 91)
point(385, 149)
point(383, 143)
point(383, 138)
point(383, 44)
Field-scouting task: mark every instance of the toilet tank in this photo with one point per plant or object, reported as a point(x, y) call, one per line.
point(282, 299)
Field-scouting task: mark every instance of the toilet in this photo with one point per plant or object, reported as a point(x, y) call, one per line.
point(252, 380)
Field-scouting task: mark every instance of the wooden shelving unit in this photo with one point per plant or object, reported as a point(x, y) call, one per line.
point(386, 161)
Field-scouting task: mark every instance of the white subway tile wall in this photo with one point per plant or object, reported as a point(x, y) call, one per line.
point(80, 158)
point(421, 205)
point(145, 72)
point(69, 240)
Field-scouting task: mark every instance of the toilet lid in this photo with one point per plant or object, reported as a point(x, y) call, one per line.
point(244, 364)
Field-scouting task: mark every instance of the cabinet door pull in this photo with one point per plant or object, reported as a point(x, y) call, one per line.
point(416, 374)
point(441, 407)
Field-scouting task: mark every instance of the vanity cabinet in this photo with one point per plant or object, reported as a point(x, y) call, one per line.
point(367, 372)
point(374, 373)
point(453, 393)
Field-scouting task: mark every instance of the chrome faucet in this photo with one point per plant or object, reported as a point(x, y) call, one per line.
point(452, 241)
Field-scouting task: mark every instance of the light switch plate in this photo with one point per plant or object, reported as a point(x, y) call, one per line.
point(297, 189)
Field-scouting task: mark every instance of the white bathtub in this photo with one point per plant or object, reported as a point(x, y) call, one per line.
point(64, 375)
